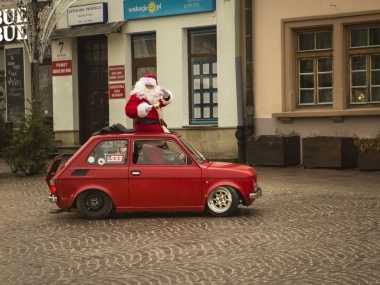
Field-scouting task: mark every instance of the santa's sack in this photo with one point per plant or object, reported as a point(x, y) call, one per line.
point(114, 129)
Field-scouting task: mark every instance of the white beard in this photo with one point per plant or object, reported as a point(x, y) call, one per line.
point(152, 95)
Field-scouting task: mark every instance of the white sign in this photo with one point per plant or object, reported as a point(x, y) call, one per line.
point(87, 14)
point(61, 49)
point(12, 24)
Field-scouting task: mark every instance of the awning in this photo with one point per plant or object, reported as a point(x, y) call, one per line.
point(83, 31)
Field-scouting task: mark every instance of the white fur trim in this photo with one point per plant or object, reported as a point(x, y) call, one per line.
point(141, 110)
point(148, 81)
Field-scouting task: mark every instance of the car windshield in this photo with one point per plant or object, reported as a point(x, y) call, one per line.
point(194, 152)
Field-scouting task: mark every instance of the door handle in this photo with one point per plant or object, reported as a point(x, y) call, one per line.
point(135, 172)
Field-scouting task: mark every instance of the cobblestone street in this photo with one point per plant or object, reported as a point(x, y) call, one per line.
point(312, 226)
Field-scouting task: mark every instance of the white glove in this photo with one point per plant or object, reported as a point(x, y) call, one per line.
point(165, 93)
point(148, 108)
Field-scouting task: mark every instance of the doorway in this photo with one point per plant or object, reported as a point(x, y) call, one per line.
point(92, 85)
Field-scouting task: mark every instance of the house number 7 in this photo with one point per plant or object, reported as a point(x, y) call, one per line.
point(61, 45)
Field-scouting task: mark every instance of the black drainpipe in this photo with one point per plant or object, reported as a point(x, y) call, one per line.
point(246, 127)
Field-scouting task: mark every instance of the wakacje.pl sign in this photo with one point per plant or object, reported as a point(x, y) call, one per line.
point(140, 9)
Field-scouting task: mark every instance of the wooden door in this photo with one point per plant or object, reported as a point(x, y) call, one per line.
point(93, 86)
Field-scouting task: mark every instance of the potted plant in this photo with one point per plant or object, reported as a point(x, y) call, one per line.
point(281, 149)
point(368, 152)
point(329, 152)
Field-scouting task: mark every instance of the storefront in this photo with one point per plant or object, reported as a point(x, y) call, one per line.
point(16, 73)
point(100, 49)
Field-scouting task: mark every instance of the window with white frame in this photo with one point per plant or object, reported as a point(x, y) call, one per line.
point(315, 67)
point(203, 76)
point(364, 65)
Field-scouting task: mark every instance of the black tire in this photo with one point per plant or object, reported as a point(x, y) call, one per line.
point(222, 201)
point(94, 205)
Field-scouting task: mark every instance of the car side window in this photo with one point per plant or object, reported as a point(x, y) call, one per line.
point(158, 152)
point(109, 152)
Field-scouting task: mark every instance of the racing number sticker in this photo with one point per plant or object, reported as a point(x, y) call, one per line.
point(115, 158)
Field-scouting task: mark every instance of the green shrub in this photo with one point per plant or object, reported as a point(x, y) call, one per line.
point(32, 141)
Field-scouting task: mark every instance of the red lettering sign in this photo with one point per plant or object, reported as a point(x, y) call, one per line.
point(62, 67)
point(116, 90)
point(116, 73)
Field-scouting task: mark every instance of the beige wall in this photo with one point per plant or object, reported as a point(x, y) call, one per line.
point(213, 143)
point(172, 68)
point(270, 75)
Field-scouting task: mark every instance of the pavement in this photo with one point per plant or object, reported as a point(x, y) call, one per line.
point(311, 226)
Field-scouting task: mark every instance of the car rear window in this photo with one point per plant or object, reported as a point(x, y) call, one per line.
point(109, 152)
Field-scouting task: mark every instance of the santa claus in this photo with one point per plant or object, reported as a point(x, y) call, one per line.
point(145, 105)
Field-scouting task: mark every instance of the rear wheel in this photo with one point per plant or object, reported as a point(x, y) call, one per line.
point(222, 201)
point(94, 205)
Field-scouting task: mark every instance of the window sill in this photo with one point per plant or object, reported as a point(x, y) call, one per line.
point(337, 116)
point(200, 126)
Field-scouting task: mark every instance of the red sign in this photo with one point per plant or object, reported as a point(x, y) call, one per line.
point(62, 67)
point(116, 73)
point(116, 90)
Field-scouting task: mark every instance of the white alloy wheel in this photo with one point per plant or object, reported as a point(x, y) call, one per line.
point(222, 201)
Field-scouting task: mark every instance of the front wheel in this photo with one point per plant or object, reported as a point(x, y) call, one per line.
point(94, 205)
point(222, 201)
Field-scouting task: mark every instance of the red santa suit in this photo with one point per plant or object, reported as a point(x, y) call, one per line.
point(145, 105)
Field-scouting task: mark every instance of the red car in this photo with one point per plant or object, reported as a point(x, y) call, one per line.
point(129, 171)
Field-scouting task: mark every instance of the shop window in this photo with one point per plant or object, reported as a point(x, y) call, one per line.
point(315, 68)
point(203, 76)
point(364, 59)
point(143, 55)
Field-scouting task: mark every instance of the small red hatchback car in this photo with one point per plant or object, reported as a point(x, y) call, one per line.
point(127, 171)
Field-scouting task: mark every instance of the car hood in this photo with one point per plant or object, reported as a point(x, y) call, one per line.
point(230, 170)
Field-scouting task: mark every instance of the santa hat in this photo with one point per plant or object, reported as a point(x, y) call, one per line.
point(149, 79)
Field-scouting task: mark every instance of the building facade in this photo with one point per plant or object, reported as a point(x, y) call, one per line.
point(191, 46)
point(317, 67)
point(236, 68)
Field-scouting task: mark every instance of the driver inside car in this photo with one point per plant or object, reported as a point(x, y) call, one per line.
point(158, 152)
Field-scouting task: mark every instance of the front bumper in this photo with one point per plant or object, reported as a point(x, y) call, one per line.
point(53, 199)
point(256, 193)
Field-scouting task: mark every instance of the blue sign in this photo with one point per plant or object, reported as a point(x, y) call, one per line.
point(141, 9)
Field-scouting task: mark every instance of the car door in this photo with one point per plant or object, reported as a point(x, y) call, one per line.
point(163, 184)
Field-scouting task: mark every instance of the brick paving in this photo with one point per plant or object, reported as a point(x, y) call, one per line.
point(312, 226)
